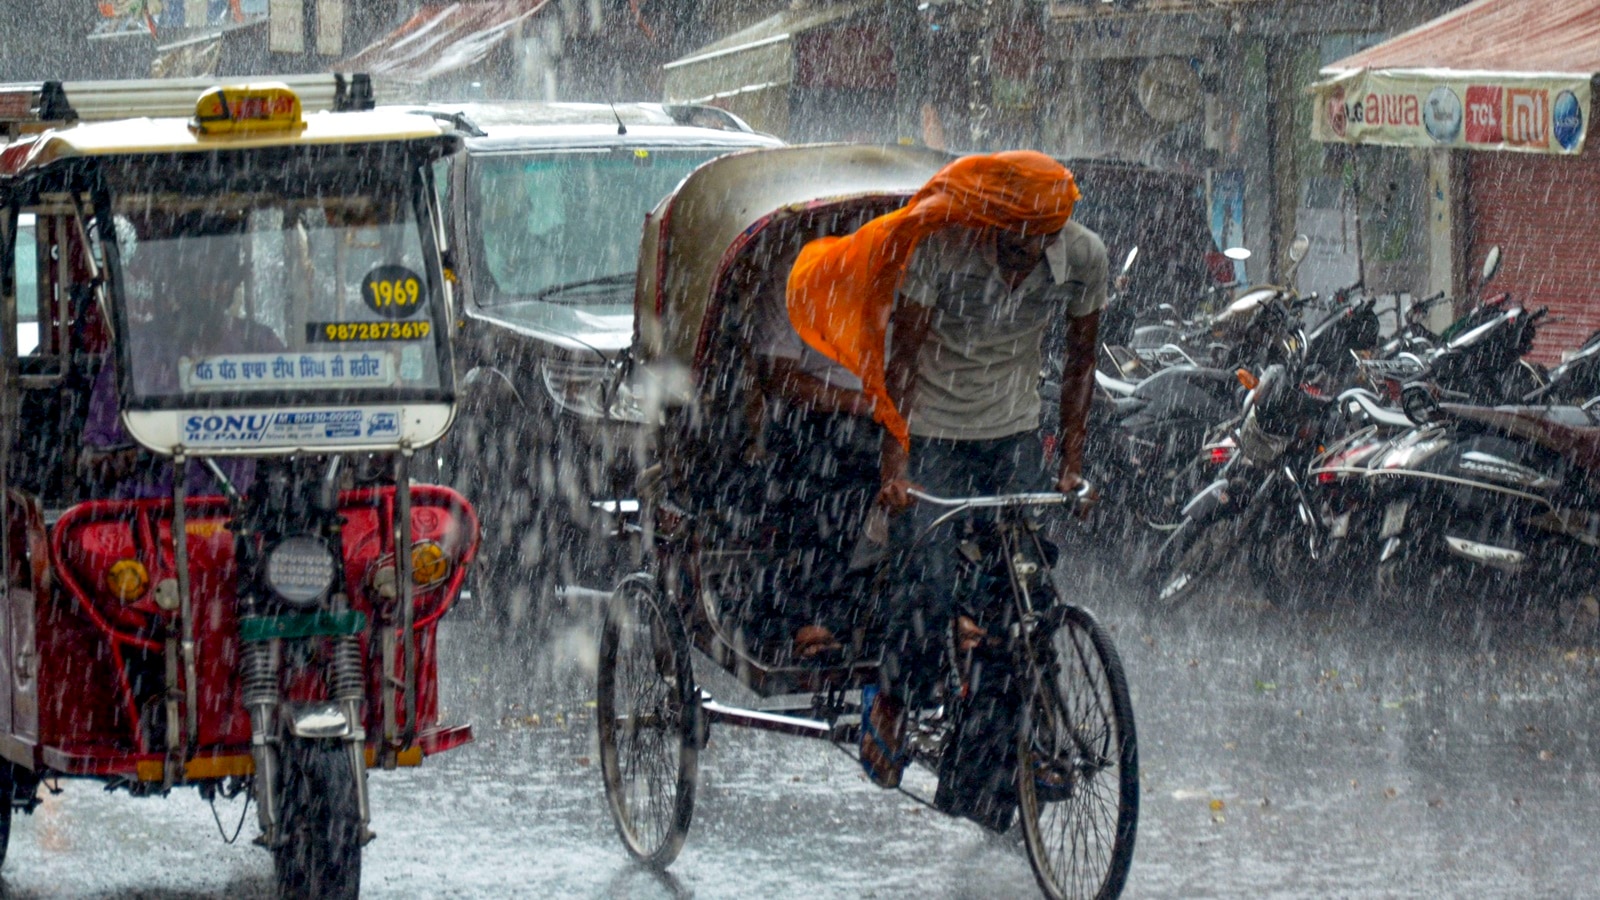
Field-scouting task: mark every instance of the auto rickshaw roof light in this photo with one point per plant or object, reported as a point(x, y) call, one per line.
point(247, 109)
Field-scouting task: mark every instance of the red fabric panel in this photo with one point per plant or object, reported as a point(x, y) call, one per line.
point(1541, 211)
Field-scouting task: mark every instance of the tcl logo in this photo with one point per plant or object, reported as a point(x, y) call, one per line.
point(1483, 115)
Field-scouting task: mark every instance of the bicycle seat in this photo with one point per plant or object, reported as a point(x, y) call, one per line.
point(1568, 430)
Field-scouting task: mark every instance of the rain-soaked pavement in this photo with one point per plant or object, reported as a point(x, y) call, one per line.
point(1345, 752)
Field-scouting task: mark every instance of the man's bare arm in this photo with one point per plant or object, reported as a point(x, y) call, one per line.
point(1077, 391)
point(786, 379)
point(910, 326)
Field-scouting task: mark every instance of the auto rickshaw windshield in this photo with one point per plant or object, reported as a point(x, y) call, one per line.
point(302, 279)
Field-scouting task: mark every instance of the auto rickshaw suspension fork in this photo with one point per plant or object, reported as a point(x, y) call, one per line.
point(347, 687)
point(258, 666)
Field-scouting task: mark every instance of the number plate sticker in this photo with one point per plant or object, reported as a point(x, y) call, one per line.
point(344, 332)
point(1394, 518)
point(394, 292)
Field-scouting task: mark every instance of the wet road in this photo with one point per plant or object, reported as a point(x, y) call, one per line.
point(1343, 752)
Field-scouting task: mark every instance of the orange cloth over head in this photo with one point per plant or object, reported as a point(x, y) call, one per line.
point(841, 289)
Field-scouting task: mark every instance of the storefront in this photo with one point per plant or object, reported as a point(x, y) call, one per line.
point(1497, 95)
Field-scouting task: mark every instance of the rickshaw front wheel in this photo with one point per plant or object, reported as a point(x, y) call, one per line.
point(648, 713)
point(1078, 760)
point(320, 856)
point(8, 791)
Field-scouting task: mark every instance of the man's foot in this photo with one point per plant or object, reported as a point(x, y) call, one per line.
point(811, 641)
point(883, 756)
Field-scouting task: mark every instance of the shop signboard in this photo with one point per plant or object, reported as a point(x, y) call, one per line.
point(1451, 109)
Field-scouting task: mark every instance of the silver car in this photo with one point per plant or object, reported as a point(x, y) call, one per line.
point(545, 209)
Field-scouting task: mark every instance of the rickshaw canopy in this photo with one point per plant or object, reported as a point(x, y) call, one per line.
point(150, 136)
point(699, 228)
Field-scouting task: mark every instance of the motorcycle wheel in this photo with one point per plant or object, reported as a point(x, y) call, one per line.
point(651, 728)
point(1280, 562)
point(320, 855)
point(1193, 552)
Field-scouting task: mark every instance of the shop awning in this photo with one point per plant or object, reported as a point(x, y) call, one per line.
point(757, 59)
point(441, 38)
point(1492, 75)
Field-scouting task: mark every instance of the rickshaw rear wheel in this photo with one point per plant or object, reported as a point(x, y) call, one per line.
point(648, 712)
point(320, 856)
point(1078, 760)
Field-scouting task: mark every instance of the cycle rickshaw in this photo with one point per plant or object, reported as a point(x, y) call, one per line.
point(240, 591)
point(715, 559)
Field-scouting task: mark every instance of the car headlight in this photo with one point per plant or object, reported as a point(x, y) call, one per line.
point(593, 391)
point(300, 569)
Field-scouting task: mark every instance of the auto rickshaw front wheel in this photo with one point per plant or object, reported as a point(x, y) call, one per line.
point(320, 856)
point(8, 791)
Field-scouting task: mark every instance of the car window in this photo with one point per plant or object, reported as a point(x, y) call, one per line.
point(564, 228)
point(27, 285)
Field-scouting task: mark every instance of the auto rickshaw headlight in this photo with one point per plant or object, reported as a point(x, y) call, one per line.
point(429, 565)
point(127, 580)
point(300, 569)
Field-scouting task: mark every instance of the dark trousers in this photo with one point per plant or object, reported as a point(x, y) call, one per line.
point(920, 609)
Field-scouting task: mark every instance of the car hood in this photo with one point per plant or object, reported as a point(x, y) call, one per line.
point(606, 326)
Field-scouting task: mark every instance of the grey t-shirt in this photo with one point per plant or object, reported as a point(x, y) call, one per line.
point(978, 372)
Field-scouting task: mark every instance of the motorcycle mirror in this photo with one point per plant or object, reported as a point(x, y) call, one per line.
point(1491, 265)
point(1298, 249)
point(1237, 254)
point(1127, 264)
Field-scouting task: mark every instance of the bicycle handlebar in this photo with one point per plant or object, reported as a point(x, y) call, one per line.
point(1083, 494)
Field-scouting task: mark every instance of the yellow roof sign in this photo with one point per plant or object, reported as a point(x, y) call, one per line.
point(248, 108)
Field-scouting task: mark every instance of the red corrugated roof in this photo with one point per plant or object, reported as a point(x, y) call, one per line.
point(441, 38)
point(1535, 36)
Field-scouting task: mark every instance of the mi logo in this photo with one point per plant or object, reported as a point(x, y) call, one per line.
point(1527, 116)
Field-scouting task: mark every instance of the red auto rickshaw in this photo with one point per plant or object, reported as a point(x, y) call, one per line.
point(226, 346)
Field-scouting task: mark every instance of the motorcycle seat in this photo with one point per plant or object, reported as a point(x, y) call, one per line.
point(1123, 407)
point(1375, 412)
point(1116, 387)
point(1568, 430)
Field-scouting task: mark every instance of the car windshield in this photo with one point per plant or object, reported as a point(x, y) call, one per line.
point(563, 228)
point(308, 280)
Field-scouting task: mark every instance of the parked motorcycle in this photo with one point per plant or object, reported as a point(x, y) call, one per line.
point(1490, 500)
point(1279, 499)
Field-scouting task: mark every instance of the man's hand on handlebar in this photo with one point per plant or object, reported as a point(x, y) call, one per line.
point(1073, 484)
point(895, 495)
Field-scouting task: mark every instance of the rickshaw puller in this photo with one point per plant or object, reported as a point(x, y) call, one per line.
point(981, 261)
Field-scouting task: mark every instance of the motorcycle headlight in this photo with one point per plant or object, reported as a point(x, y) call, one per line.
point(300, 570)
point(593, 391)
